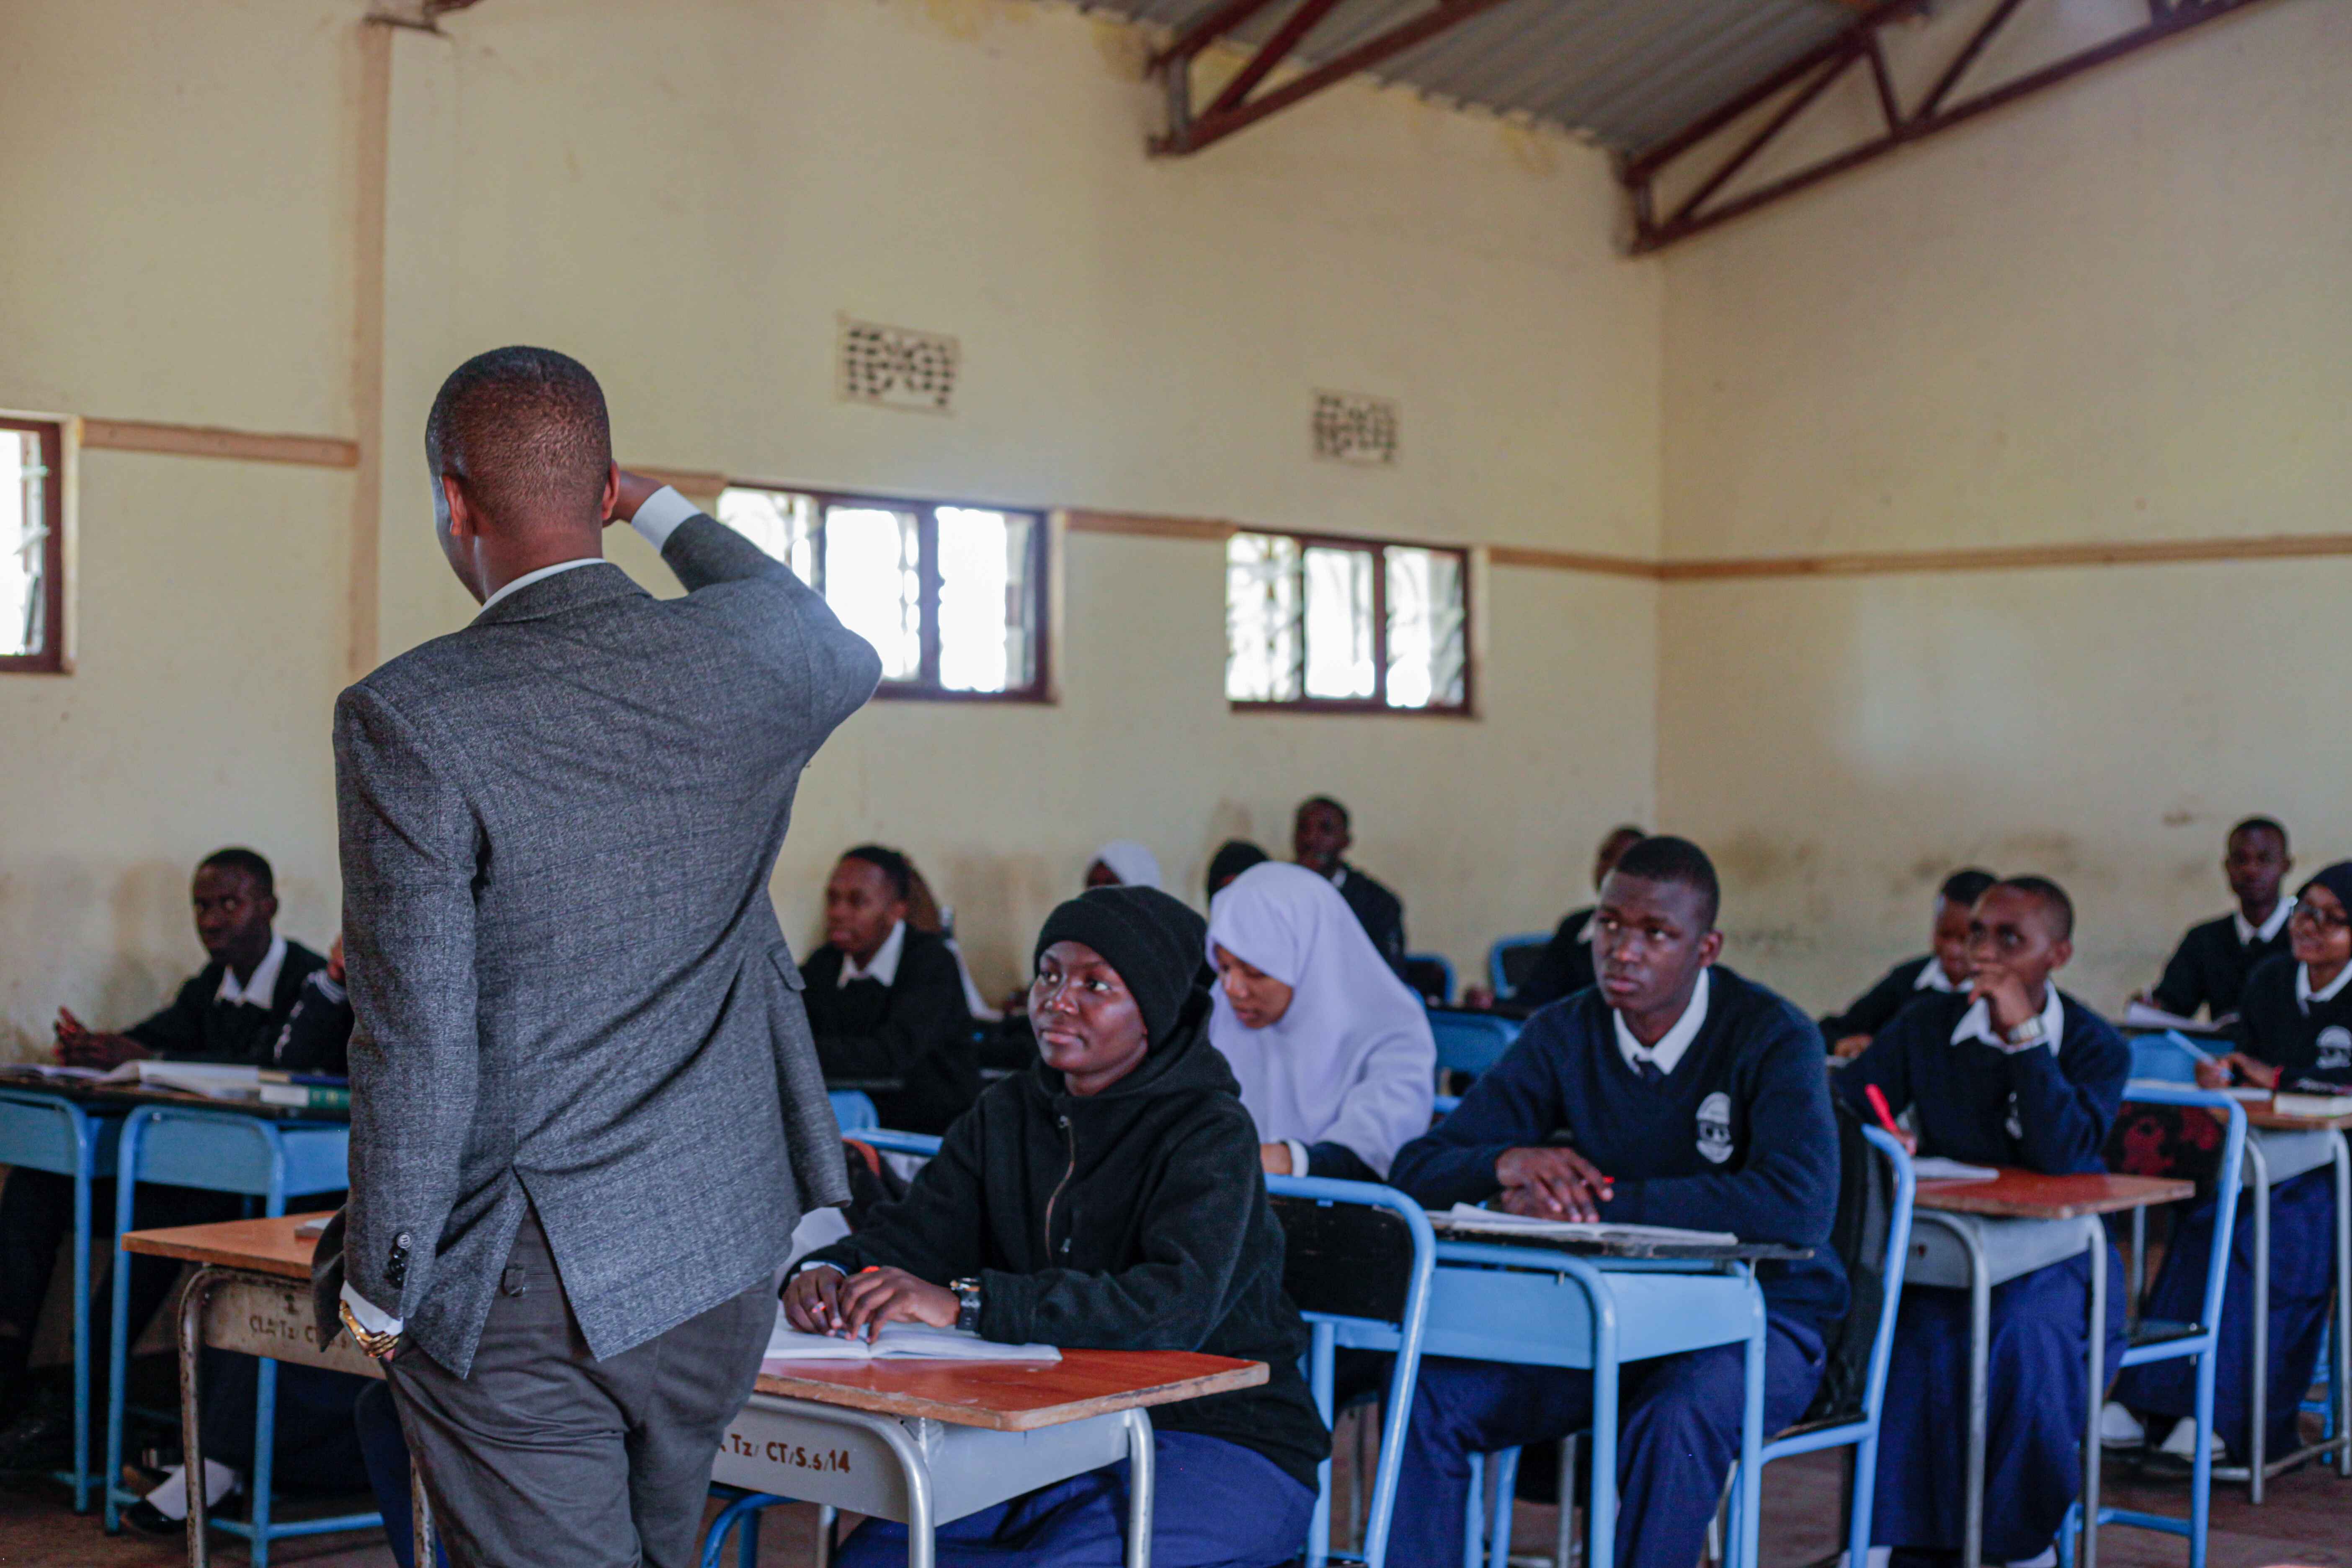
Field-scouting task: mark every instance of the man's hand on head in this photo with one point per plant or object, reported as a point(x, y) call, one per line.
point(631, 492)
point(1551, 1183)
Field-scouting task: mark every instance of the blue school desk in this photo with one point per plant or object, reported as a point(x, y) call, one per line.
point(1595, 1308)
point(2279, 1149)
point(43, 1130)
point(1973, 1235)
point(222, 1150)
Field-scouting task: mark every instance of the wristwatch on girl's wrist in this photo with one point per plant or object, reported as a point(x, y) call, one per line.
point(967, 1304)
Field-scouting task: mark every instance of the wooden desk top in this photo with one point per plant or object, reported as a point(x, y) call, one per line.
point(1008, 1397)
point(2259, 1114)
point(2029, 1194)
point(122, 1097)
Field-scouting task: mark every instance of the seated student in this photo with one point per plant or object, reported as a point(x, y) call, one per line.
point(317, 1038)
point(1334, 1054)
point(1319, 836)
point(2010, 1072)
point(232, 1012)
point(1232, 858)
point(1123, 863)
point(1943, 969)
point(2210, 966)
point(1565, 965)
point(886, 1000)
point(1108, 1197)
point(2294, 1023)
point(1673, 1093)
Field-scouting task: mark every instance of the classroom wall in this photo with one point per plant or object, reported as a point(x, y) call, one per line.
point(687, 196)
point(2115, 312)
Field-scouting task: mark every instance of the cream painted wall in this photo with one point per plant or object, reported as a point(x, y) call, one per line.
point(2116, 312)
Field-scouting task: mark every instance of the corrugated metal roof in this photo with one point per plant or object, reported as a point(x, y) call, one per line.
point(1627, 72)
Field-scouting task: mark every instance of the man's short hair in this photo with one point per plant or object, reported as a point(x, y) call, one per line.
point(2260, 825)
point(895, 868)
point(1314, 800)
point(1966, 887)
point(247, 861)
point(2052, 897)
point(1662, 857)
point(525, 430)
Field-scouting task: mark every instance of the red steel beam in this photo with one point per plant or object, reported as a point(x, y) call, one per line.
point(1207, 31)
point(1967, 57)
point(1790, 111)
point(1270, 53)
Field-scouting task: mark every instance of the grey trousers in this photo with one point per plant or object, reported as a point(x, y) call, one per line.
point(545, 1455)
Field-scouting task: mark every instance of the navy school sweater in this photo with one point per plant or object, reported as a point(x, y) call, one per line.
point(2042, 1110)
point(2312, 1049)
point(1738, 1137)
point(2211, 967)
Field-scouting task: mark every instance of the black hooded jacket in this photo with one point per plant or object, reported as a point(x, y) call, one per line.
point(1132, 1219)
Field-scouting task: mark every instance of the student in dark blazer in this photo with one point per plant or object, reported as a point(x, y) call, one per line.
point(1943, 969)
point(1319, 836)
point(1565, 965)
point(885, 1002)
point(2210, 968)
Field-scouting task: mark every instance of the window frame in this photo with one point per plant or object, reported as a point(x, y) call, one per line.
point(1377, 703)
point(51, 659)
point(926, 687)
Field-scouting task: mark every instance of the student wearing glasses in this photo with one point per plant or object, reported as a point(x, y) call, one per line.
point(2294, 1029)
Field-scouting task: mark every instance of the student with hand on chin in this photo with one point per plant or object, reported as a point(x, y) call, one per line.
point(1107, 1198)
point(2010, 1072)
point(1675, 1093)
point(1945, 968)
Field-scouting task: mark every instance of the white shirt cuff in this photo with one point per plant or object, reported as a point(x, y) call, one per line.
point(372, 1318)
point(806, 1264)
point(1297, 1156)
point(659, 517)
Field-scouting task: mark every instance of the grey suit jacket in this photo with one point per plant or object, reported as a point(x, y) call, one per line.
point(558, 826)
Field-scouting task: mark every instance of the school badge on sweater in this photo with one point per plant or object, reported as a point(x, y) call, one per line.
point(1715, 1127)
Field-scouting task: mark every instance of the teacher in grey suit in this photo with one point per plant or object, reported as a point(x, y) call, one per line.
point(585, 1110)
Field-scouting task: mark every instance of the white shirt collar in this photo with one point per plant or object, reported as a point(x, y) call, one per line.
point(528, 578)
point(2304, 995)
point(1933, 977)
point(1976, 1023)
point(885, 965)
point(2248, 935)
point(1668, 1052)
point(261, 989)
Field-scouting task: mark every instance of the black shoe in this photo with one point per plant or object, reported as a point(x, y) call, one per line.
point(148, 1520)
point(40, 1440)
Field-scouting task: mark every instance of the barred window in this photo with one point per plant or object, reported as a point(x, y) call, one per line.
point(32, 547)
point(951, 596)
point(1346, 625)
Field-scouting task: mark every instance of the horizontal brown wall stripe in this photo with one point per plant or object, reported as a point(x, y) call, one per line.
point(1570, 561)
point(2017, 557)
point(207, 441)
point(1081, 520)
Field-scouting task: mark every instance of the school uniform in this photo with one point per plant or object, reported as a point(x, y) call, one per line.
point(2046, 1107)
point(1724, 1124)
point(901, 1015)
point(317, 1035)
point(1896, 989)
point(1381, 912)
point(2213, 961)
point(1564, 967)
point(2306, 1035)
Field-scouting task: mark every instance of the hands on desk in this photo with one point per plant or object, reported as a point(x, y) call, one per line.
point(1551, 1183)
point(80, 1046)
point(821, 1300)
point(2236, 1067)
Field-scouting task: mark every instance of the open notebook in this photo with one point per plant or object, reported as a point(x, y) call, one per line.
point(897, 1341)
point(1470, 1216)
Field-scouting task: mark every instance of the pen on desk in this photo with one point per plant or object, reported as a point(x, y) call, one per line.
point(1879, 1107)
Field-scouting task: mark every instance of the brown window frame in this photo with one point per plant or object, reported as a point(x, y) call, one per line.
point(51, 659)
point(1378, 702)
point(925, 687)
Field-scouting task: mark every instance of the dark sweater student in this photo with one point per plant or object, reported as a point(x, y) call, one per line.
point(2211, 967)
point(885, 1002)
point(1943, 969)
point(1673, 1093)
point(1107, 1198)
point(2010, 1072)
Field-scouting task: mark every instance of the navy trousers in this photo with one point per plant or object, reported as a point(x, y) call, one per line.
point(1678, 1437)
point(2302, 1253)
point(1214, 1505)
point(2035, 1392)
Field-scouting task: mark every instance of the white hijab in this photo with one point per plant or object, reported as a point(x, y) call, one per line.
point(1135, 866)
point(1352, 1061)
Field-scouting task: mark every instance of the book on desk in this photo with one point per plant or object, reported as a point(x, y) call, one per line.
point(1468, 1221)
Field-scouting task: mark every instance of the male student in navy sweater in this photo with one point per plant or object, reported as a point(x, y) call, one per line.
point(2010, 1072)
point(1673, 1092)
point(2210, 968)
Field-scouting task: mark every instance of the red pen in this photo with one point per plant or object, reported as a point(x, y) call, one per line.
point(1879, 1107)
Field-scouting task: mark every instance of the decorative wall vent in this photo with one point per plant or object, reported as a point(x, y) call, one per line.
point(1355, 427)
point(898, 367)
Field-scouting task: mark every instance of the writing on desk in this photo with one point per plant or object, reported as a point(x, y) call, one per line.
point(793, 1456)
point(287, 1324)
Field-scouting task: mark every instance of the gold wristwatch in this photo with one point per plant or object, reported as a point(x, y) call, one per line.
point(378, 1345)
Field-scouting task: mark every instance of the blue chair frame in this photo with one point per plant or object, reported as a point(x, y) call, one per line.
point(2168, 1341)
point(1472, 1042)
point(52, 1133)
point(1444, 965)
point(853, 1110)
point(221, 1152)
point(1329, 1331)
point(1494, 976)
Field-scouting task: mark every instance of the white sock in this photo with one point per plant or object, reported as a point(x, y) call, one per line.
point(171, 1499)
point(2046, 1558)
point(2118, 1427)
point(1879, 1556)
point(2183, 1442)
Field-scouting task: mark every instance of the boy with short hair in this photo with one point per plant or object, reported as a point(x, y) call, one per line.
point(2210, 968)
point(1945, 968)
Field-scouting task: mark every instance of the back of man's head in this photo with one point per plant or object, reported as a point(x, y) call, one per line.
point(1662, 857)
point(525, 432)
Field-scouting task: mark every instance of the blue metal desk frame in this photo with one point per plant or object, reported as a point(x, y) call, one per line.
point(53, 1132)
point(222, 1152)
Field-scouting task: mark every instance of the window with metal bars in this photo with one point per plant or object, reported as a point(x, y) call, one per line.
point(951, 596)
point(1322, 624)
point(32, 547)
